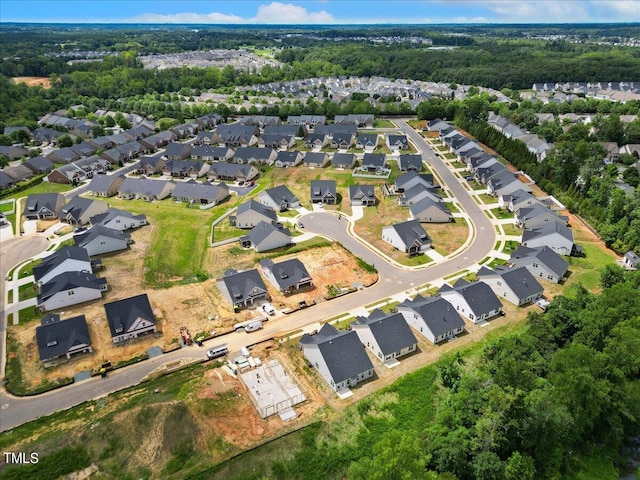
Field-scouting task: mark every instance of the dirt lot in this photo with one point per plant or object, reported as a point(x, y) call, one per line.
point(44, 82)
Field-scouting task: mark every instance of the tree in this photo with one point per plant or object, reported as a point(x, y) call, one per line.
point(611, 275)
point(64, 141)
point(520, 467)
point(488, 466)
point(5, 140)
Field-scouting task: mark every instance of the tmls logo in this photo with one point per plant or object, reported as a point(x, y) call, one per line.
point(20, 458)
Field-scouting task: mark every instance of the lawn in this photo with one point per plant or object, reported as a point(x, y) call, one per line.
point(7, 206)
point(383, 123)
point(586, 270)
point(447, 237)
point(510, 229)
point(224, 231)
point(27, 291)
point(44, 187)
point(499, 213)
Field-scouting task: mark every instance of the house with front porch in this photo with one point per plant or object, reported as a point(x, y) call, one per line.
point(324, 191)
point(432, 317)
point(130, 318)
point(43, 206)
point(408, 237)
point(79, 210)
point(386, 335)
point(362, 195)
point(280, 198)
point(516, 285)
point(288, 276)
point(242, 289)
point(232, 172)
point(475, 301)
point(62, 339)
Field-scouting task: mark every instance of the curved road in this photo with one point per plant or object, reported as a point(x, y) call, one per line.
point(16, 411)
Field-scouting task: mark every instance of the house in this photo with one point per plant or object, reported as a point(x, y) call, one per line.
point(99, 240)
point(70, 288)
point(232, 172)
point(250, 213)
point(242, 289)
point(186, 130)
point(473, 300)
point(397, 142)
point(177, 151)
point(279, 198)
point(307, 120)
point(6, 181)
point(105, 185)
point(79, 210)
point(62, 338)
point(212, 154)
point(484, 174)
point(505, 182)
point(185, 168)
point(315, 159)
point(130, 317)
point(118, 219)
point(342, 140)
point(237, 135)
point(536, 216)
point(210, 120)
point(542, 262)
point(374, 162)
point(19, 173)
point(266, 236)
point(418, 193)
point(159, 140)
point(437, 124)
point(344, 160)
point(78, 171)
point(276, 141)
point(339, 357)
point(84, 149)
point(39, 164)
point(46, 136)
point(430, 211)
point(255, 155)
point(362, 195)
point(317, 141)
point(480, 160)
point(296, 131)
point(288, 276)
point(205, 138)
point(432, 317)
point(324, 191)
point(367, 141)
point(387, 336)
point(63, 155)
point(288, 159)
point(411, 179)
point(13, 152)
point(67, 259)
point(408, 237)
point(410, 162)
point(555, 235)
point(102, 143)
point(359, 120)
point(261, 120)
point(631, 261)
point(200, 193)
point(150, 165)
point(43, 206)
point(145, 189)
point(516, 200)
point(516, 285)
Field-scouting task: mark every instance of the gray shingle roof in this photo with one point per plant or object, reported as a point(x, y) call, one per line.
point(252, 205)
point(102, 183)
point(390, 331)
point(123, 313)
point(315, 158)
point(57, 258)
point(411, 232)
point(342, 352)
point(343, 160)
point(56, 337)
point(200, 191)
point(67, 281)
point(422, 205)
point(439, 315)
point(478, 296)
point(280, 194)
point(519, 279)
point(547, 229)
point(143, 186)
point(287, 273)
point(366, 191)
point(320, 188)
point(242, 285)
point(545, 255)
point(409, 160)
point(97, 231)
point(376, 160)
point(76, 207)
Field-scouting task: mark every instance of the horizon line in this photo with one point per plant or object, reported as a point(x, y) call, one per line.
point(257, 24)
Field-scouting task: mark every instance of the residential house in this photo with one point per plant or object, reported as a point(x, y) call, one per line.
point(130, 318)
point(480, 160)
point(342, 141)
point(79, 210)
point(185, 168)
point(344, 160)
point(374, 162)
point(359, 120)
point(387, 336)
point(473, 300)
point(537, 215)
point(324, 191)
point(261, 121)
point(276, 141)
point(437, 124)
point(307, 120)
point(102, 143)
point(288, 159)
point(266, 236)
point(484, 174)
point(70, 288)
point(62, 338)
point(99, 240)
point(18, 173)
point(280, 198)
point(78, 171)
point(505, 183)
point(410, 162)
point(212, 153)
point(315, 159)
point(118, 219)
point(232, 172)
point(63, 155)
point(367, 141)
point(362, 195)
point(555, 235)
point(178, 151)
point(13, 152)
point(205, 138)
point(250, 213)
point(542, 262)
point(430, 211)
point(338, 356)
point(288, 276)
point(200, 193)
point(317, 141)
point(6, 181)
point(210, 120)
point(418, 193)
point(145, 189)
point(84, 149)
point(397, 142)
point(516, 285)
point(46, 136)
point(159, 140)
point(411, 179)
point(150, 165)
point(296, 131)
point(105, 185)
point(242, 289)
point(39, 164)
point(255, 155)
point(516, 200)
point(432, 317)
point(43, 206)
point(408, 237)
point(237, 135)
point(67, 259)
point(186, 130)
point(631, 260)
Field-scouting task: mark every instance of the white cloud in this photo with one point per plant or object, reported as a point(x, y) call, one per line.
point(527, 11)
point(627, 10)
point(470, 20)
point(276, 12)
point(187, 18)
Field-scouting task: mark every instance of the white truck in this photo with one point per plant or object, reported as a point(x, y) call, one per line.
point(268, 308)
point(253, 326)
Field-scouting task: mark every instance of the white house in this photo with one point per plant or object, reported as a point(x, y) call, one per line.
point(516, 285)
point(70, 288)
point(433, 317)
point(542, 262)
point(387, 336)
point(67, 259)
point(474, 301)
point(408, 237)
point(99, 240)
point(129, 318)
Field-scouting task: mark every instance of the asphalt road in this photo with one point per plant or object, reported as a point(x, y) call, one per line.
point(16, 411)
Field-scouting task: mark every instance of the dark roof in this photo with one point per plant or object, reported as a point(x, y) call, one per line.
point(97, 231)
point(39, 164)
point(336, 128)
point(67, 281)
point(425, 203)
point(245, 153)
point(76, 207)
point(242, 285)
point(57, 258)
point(342, 352)
point(263, 230)
point(287, 273)
point(478, 296)
point(410, 160)
point(112, 213)
point(439, 315)
point(395, 139)
point(144, 186)
point(425, 178)
point(252, 205)
point(320, 188)
point(317, 158)
point(56, 337)
point(102, 183)
point(547, 229)
point(411, 232)
point(123, 313)
point(175, 149)
point(367, 191)
point(38, 201)
point(545, 255)
point(229, 169)
point(280, 194)
point(390, 331)
point(368, 138)
point(343, 159)
point(281, 130)
point(200, 191)
point(519, 280)
point(374, 160)
point(286, 156)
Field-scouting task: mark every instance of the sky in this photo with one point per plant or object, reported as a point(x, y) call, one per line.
point(320, 11)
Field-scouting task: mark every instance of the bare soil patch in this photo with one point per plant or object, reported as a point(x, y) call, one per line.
point(44, 82)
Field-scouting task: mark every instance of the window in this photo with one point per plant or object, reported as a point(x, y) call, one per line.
point(499, 283)
point(70, 292)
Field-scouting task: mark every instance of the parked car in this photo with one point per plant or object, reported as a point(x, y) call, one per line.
point(253, 326)
point(219, 351)
point(300, 224)
point(268, 308)
point(80, 229)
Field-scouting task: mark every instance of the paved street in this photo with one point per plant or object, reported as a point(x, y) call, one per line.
point(393, 280)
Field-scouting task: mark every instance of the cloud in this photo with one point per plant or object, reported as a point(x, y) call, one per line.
point(276, 12)
point(527, 11)
point(628, 10)
point(187, 18)
point(470, 20)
